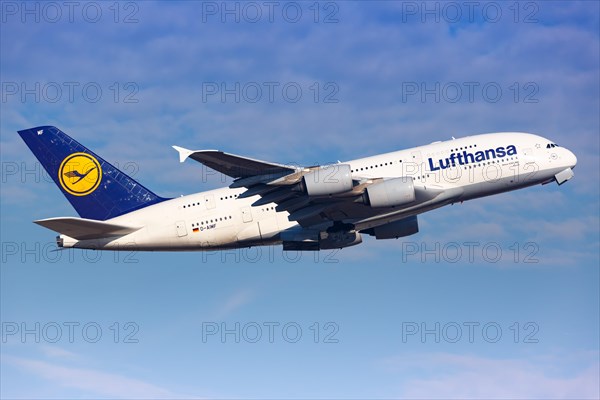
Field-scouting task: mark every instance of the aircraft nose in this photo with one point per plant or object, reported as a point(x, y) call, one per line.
point(570, 158)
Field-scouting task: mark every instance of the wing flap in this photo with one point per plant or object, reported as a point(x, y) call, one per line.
point(82, 228)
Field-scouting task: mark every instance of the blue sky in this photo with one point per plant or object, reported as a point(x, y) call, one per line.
point(517, 273)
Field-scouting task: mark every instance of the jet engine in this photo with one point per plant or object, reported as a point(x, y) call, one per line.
point(391, 192)
point(331, 179)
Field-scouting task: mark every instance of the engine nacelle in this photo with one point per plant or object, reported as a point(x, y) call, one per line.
point(331, 179)
point(391, 192)
point(403, 227)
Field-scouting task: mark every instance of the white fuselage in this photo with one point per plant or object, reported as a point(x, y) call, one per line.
point(219, 219)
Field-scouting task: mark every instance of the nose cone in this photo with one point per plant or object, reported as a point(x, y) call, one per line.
point(570, 158)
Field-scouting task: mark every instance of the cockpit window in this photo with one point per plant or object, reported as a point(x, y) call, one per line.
point(551, 145)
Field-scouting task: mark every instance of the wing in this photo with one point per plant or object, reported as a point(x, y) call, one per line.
point(233, 165)
point(323, 195)
point(82, 228)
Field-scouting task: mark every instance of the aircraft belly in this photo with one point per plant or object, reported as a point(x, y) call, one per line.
point(222, 236)
point(268, 227)
point(249, 232)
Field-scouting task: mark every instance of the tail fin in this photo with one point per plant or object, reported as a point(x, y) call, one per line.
point(95, 188)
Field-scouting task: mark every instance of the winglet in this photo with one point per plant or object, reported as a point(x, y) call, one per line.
point(183, 153)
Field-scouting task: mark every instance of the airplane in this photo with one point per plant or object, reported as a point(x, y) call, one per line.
point(302, 208)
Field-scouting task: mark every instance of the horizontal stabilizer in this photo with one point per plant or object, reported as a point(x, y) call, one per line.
point(83, 229)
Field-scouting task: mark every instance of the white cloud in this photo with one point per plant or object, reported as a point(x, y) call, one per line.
point(234, 302)
point(447, 376)
point(57, 352)
point(92, 382)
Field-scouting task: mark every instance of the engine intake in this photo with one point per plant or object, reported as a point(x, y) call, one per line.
point(391, 192)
